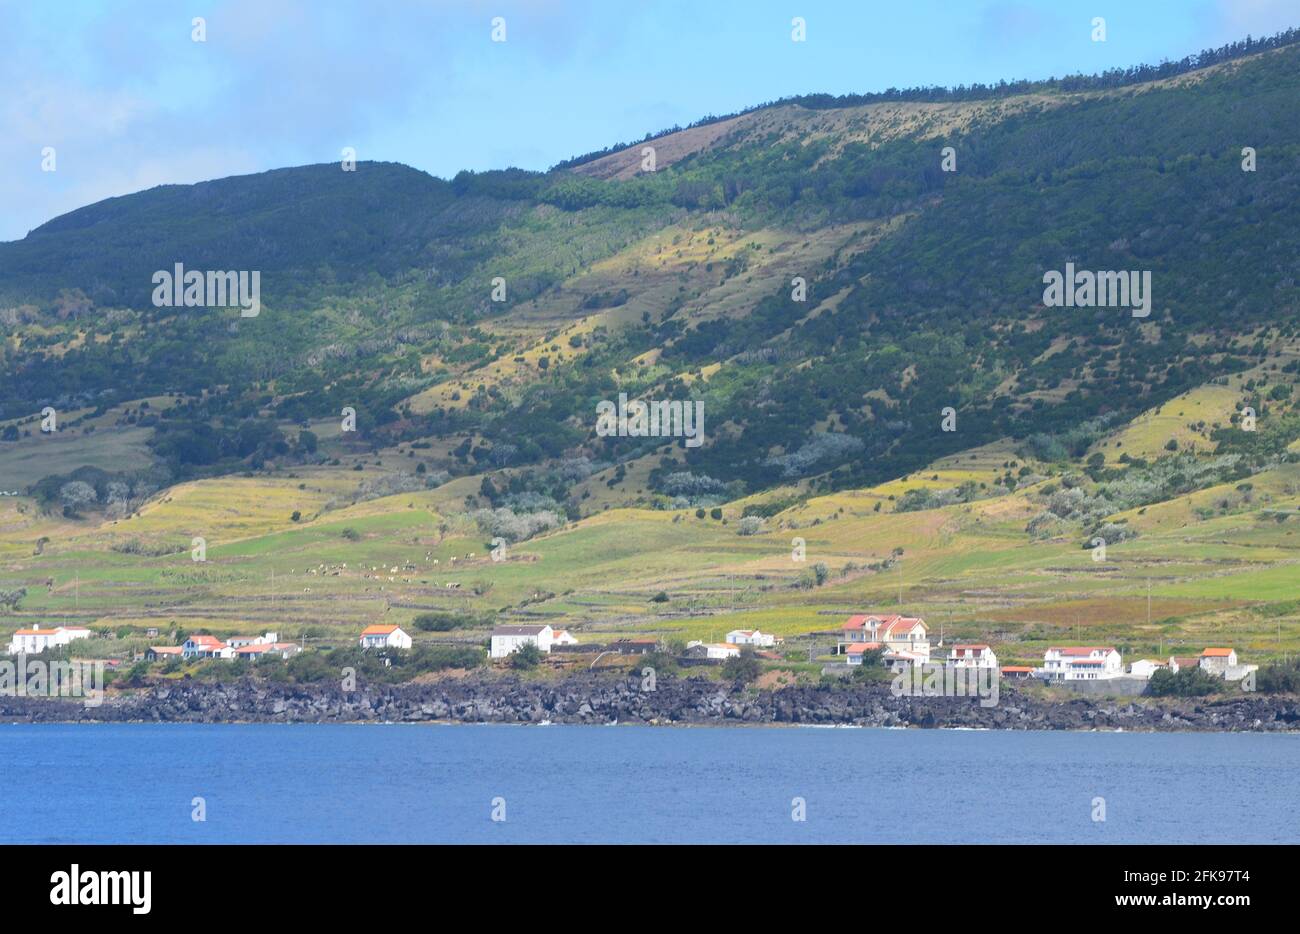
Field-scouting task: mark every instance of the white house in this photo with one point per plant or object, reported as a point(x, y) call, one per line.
point(1081, 663)
point(206, 647)
point(973, 655)
point(238, 642)
point(268, 650)
point(562, 637)
point(751, 637)
point(1218, 661)
point(1145, 668)
point(713, 649)
point(384, 637)
point(854, 652)
point(904, 638)
point(1224, 664)
point(36, 639)
point(506, 640)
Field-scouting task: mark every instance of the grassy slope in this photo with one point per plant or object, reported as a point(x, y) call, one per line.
point(969, 568)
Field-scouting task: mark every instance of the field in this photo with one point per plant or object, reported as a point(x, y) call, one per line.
point(969, 569)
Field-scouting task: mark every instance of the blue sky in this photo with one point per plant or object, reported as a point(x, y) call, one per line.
point(128, 101)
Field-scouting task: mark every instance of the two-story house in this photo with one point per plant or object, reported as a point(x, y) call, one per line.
point(904, 639)
point(973, 655)
point(1081, 663)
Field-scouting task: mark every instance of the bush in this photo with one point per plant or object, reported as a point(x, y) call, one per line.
point(1189, 682)
point(514, 526)
point(750, 525)
point(528, 656)
point(743, 668)
point(871, 666)
point(1279, 678)
point(823, 451)
point(446, 621)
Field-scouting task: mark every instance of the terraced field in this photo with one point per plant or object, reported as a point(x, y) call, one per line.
point(970, 569)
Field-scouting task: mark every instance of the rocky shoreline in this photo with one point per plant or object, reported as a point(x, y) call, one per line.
point(597, 699)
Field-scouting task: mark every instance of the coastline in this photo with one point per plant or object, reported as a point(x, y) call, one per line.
point(602, 701)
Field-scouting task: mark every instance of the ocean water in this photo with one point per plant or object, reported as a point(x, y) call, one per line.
point(437, 783)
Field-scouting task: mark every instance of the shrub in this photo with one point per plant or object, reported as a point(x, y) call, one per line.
point(445, 621)
point(1189, 682)
point(526, 657)
point(823, 450)
point(750, 525)
point(514, 526)
point(743, 668)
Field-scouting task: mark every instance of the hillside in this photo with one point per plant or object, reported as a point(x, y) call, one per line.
point(473, 326)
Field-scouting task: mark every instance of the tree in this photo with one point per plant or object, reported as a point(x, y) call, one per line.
point(871, 665)
point(9, 599)
point(744, 667)
point(76, 496)
point(526, 657)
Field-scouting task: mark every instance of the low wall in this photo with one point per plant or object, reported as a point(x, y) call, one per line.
point(1114, 687)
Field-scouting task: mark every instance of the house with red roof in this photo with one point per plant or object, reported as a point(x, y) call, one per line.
point(855, 651)
point(262, 650)
point(1082, 663)
point(34, 640)
point(905, 639)
point(205, 646)
point(1218, 661)
point(267, 638)
point(385, 637)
